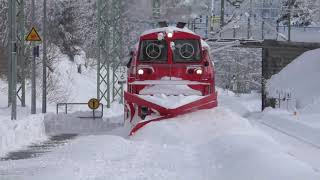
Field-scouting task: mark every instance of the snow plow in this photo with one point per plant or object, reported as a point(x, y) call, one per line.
point(170, 73)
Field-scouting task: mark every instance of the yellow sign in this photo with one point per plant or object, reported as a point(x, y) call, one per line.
point(33, 35)
point(93, 103)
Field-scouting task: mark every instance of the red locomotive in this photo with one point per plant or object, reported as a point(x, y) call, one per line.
point(172, 61)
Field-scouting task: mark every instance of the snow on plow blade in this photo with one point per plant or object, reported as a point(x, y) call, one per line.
point(133, 101)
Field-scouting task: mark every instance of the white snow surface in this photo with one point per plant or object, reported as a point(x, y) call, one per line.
point(169, 90)
point(241, 104)
point(298, 79)
point(170, 86)
point(170, 101)
point(167, 30)
point(73, 86)
point(208, 144)
point(21, 132)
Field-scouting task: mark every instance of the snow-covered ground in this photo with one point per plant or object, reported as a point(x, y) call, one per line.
point(21, 132)
point(208, 144)
point(17, 134)
point(232, 141)
point(70, 86)
point(297, 80)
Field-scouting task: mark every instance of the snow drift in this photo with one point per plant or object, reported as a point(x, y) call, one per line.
point(298, 79)
point(19, 133)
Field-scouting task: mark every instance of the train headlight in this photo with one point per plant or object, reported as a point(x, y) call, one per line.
point(199, 71)
point(170, 34)
point(160, 36)
point(140, 71)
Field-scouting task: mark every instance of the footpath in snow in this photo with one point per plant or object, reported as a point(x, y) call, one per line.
point(298, 134)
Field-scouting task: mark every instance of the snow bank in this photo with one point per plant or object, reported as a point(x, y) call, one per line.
point(19, 133)
point(298, 79)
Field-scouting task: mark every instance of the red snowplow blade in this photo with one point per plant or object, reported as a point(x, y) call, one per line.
point(207, 102)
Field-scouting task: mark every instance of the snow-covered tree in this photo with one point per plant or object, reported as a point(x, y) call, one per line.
point(3, 33)
point(301, 12)
point(3, 22)
point(64, 26)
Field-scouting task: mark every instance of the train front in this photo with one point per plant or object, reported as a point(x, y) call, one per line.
point(171, 56)
point(170, 69)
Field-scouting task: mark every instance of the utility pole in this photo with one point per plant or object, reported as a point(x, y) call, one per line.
point(109, 49)
point(262, 30)
point(14, 61)
point(212, 8)
point(99, 47)
point(249, 21)
point(44, 59)
point(212, 15)
point(10, 49)
point(222, 14)
point(33, 80)
point(16, 54)
point(289, 23)
point(156, 9)
point(117, 50)
point(21, 52)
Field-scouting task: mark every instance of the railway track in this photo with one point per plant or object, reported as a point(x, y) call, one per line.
point(300, 139)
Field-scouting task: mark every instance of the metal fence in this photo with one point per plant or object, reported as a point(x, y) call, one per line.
point(80, 113)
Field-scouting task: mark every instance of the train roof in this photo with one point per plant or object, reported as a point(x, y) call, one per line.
point(168, 29)
point(172, 29)
point(204, 45)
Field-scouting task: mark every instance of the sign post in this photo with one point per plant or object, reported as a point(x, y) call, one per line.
point(122, 80)
point(33, 36)
point(13, 62)
point(93, 103)
point(44, 59)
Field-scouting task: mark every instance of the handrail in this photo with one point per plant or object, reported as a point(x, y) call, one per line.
point(93, 111)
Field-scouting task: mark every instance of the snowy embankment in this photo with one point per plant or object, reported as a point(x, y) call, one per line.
point(208, 144)
point(21, 132)
point(299, 80)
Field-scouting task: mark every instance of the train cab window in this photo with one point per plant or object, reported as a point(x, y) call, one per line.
point(186, 51)
point(153, 51)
